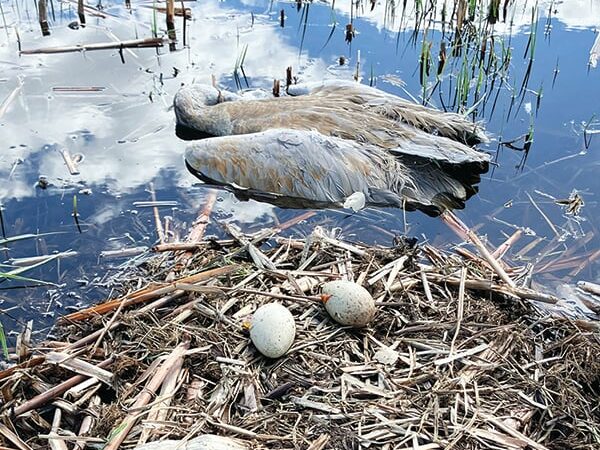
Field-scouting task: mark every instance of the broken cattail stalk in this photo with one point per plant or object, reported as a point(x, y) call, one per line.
point(13, 438)
point(485, 285)
point(587, 286)
point(185, 19)
point(32, 260)
point(156, 203)
point(182, 246)
point(506, 245)
point(23, 344)
point(43, 17)
point(32, 362)
point(288, 77)
point(170, 12)
point(135, 43)
point(86, 425)
point(92, 337)
point(160, 409)
point(79, 366)
point(199, 228)
point(81, 12)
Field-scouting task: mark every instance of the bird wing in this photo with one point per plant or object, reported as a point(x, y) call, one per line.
point(295, 164)
point(451, 125)
point(297, 168)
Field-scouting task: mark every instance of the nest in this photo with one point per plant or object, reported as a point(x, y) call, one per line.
point(453, 359)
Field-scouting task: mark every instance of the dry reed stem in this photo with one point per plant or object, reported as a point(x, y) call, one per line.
point(145, 294)
point(134, 43)
point(156, 214)
point(460, 228)
point(145, 396)
point(13, 438)
point(54, 392)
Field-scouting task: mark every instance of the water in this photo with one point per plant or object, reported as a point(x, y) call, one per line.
point(124, 130)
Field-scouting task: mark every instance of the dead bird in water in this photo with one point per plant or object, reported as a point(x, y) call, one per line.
point(326, 141)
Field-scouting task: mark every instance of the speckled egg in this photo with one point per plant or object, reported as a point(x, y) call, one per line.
point(348, 303)
point(272, 330)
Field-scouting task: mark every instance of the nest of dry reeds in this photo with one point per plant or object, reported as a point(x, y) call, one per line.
point(453, 359)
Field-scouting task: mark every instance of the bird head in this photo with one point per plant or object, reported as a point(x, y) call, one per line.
point(192, 105)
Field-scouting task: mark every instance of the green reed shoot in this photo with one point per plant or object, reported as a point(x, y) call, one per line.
point(75, 213)
point(372, 76)
point(154, 25)
point(3, 342)
point(239, 67)
point(425, 64)
point(333, 22)
point(530, 48)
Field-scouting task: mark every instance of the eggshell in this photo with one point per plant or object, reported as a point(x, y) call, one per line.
point(349, 303)
point(272, 330)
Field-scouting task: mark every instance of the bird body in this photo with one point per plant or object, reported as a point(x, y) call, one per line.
point(326, 141)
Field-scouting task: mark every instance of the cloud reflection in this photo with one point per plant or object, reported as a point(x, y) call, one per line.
point(125, 131)
point(574, 14)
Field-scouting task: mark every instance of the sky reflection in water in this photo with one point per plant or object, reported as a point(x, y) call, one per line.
point(125, 132)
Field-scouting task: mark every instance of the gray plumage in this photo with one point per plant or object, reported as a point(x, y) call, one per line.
point(325, 141)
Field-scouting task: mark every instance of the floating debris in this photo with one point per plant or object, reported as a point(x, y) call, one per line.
point(123, 252)
point(573, 204)
point(157, 204)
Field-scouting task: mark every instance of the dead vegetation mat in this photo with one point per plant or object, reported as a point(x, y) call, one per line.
point(440, 366)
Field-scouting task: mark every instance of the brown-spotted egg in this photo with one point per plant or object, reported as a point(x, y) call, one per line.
point(348, 303)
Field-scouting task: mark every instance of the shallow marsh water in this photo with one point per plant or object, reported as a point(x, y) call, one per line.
point(124, 129)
